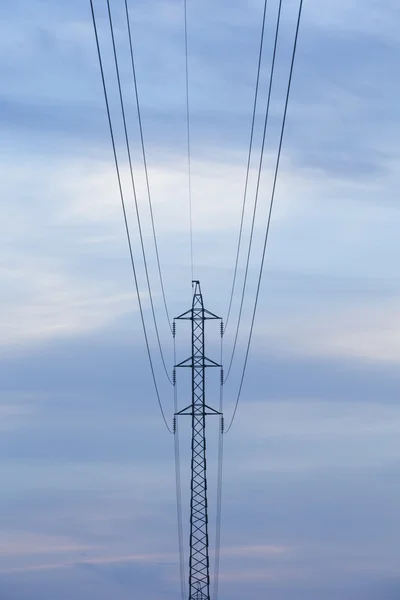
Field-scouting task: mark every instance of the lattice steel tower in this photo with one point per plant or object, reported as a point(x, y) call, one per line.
point(199, 564)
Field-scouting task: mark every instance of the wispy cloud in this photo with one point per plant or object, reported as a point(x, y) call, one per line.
point(310, 490)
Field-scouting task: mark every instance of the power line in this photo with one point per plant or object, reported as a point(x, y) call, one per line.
point(178, 487)
point(188, 136)
point(219, 477)
point(248, 163)
point(219, 513)
point(134, 190)
point(145, 164)
point(257, 189)
point(179, 511)
point(269, 214)
point(125, 215)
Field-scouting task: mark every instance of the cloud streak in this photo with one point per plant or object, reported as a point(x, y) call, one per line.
point(311, 469)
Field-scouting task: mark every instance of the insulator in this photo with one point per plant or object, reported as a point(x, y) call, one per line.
point(173, 329)
point(222, 377)
point(222, 425)
point(174, 425)
point(222, 328)
point(174, 377)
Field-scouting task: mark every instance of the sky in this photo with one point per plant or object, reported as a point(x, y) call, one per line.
point(311, 465)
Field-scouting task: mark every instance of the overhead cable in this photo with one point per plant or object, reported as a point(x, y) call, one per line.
point(188, 136)
point(145, 164)
point(269, 215)
point(266, 120)
point(219, 477)
point(134, 191)
point(178, 487)
point(125, 217)
point(248, 164)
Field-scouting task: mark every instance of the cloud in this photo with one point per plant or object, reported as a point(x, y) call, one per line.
point(310, 472)
point(366, 333)
point(27, 545)
point(351, 17)
point(14, 417)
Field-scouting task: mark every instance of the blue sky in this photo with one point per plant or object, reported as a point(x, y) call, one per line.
point(311, 488)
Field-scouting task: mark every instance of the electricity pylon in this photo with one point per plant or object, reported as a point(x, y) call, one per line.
point(199, 564)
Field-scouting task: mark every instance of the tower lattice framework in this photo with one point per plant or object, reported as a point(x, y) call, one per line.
point(199, 564)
